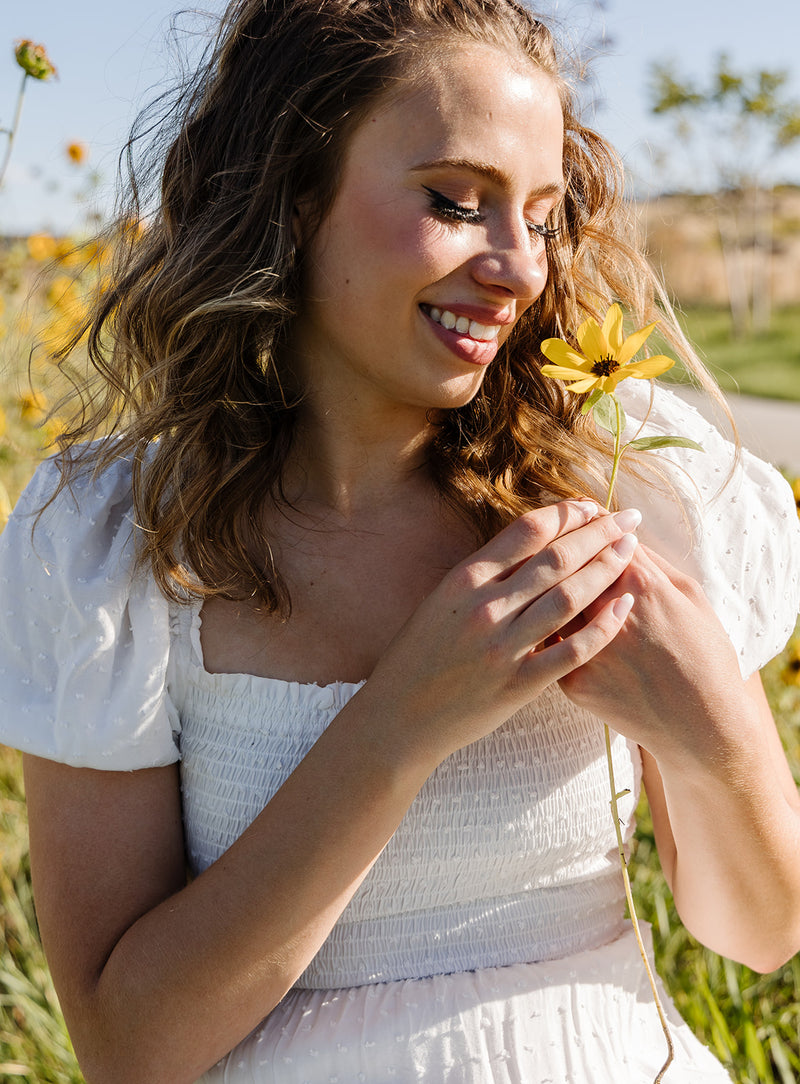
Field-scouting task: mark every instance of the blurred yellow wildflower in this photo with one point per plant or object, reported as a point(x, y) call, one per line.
point(605, 356)
point(791, 671)
point(42, 247)
point(53, 428)
point(77, 153)
point(33, 59)
point(32, 406)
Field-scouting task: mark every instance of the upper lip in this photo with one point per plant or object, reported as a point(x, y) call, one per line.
point(479, 313)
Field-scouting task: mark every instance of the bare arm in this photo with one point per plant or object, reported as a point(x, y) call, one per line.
point(159, 980)
point(725, 809)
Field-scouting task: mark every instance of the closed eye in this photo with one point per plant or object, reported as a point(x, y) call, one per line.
point(457, 212)
point(452, 211)
point(549, 233)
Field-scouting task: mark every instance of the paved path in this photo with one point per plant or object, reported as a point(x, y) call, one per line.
point(768, 427)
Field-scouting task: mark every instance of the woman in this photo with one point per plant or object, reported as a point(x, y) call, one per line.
point(337, 459)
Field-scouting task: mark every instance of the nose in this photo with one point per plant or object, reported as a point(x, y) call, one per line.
point(513, 263)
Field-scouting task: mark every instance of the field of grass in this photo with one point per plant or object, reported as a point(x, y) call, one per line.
point(767, 364)
point(751, 1021)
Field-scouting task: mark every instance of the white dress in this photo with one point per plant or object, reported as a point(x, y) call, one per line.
point(487, 945)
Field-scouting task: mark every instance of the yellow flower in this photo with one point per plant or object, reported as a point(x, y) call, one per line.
point(42, 246)
point(605, 356)
point(32, 406)
point(77, 153)
point(33, 59)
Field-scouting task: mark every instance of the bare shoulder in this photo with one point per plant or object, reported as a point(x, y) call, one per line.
point(106, 847)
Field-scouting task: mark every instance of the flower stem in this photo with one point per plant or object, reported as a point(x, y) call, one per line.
point(618, 450)
point(12, 131)
point(615, 796)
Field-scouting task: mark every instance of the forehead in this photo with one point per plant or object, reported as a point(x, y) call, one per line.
point(477, 102)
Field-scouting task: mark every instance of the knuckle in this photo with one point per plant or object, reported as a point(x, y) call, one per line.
point(564, 599)
point(531, 527)
point(556, 557)
point(484, 614)
point(465, 578)
point(573, 653)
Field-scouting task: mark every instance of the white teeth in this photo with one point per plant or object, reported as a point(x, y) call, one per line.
point(463, 325)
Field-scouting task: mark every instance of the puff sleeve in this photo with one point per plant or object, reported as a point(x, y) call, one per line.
point(84, 644)
point(740, 540)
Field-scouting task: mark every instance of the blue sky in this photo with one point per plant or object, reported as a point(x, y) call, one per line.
point(111, 54)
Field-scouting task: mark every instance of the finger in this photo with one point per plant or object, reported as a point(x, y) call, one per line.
point(557, 610)
point(529, 534)
point(562, 558)
point(560, 658)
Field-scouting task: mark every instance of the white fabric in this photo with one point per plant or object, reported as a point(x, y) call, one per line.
point(740, 542)
point(84, 645)
point(505, 858)
point(507, 853)
point(586, 1019)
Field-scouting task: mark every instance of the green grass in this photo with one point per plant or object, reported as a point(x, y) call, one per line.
point(767, 364)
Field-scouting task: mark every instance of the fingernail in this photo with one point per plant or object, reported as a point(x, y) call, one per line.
point(588, 508)
point(628, 519)
point(625, 546)
point(622, 607)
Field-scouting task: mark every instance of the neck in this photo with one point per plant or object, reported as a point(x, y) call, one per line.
point(353, 466)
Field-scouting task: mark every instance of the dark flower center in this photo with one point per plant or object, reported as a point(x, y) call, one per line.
point(605, 366)
point(794, 665)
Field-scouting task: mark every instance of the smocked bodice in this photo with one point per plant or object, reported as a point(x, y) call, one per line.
point(506, 855)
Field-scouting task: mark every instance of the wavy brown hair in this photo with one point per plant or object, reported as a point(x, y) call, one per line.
point(187, 343)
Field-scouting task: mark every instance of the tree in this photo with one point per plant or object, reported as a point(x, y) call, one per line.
point(734, 130)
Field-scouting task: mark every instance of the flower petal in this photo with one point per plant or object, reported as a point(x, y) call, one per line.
point(634, 343)
point(612, 329)
point(562, 353)
point(647, 368)
point(592, 340)
point(586, 384)
point(564, 372)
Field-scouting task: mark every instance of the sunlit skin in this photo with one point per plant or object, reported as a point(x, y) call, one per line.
point(485, 135)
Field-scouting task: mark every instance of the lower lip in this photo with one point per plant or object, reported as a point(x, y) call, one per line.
point(474, 351)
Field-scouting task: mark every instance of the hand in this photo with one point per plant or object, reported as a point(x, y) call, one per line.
point(670, 679)
point(487, 641)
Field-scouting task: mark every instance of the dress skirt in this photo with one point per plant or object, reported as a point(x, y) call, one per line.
point(588, 1018)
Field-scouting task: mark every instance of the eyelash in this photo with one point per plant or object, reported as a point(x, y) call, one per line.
point(455, 212)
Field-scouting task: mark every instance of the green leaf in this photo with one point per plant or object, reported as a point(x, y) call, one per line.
point(605, 414)
point(649, 443)
point(595, 396)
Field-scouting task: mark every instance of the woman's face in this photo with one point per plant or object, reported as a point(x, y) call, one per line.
point(433, 247)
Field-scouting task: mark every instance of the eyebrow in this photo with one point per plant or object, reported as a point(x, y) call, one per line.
point(491, 173)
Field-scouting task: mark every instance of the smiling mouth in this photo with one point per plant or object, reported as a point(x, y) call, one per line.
point(462, 325)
